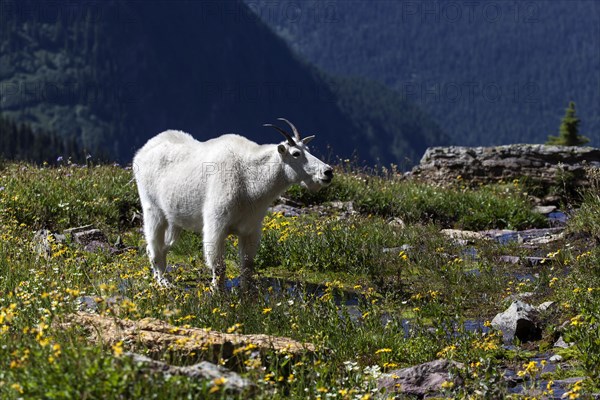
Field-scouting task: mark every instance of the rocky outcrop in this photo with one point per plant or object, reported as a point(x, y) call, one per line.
point(158, 336)
point(542, 163)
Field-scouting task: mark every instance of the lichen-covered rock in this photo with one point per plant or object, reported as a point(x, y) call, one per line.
point(158, 336)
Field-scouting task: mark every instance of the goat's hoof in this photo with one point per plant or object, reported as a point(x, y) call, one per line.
point(164, 283)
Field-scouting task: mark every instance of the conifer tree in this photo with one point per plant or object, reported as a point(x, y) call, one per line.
point(569, 130)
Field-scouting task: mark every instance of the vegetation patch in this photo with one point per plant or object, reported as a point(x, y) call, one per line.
point(381, 296)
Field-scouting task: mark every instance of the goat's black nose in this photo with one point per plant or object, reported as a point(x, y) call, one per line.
point(328, 173)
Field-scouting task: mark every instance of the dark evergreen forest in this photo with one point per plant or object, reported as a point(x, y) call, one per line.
point(489, 72)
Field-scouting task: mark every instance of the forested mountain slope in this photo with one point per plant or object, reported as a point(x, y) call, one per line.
point(490, 72)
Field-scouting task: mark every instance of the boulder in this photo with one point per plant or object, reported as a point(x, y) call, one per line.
point(421, 379)
point(520, 321)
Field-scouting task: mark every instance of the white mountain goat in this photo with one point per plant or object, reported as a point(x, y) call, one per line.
point(219, 187)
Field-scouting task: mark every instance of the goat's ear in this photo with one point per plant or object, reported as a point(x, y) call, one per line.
point(281, 149)
point(307, 139)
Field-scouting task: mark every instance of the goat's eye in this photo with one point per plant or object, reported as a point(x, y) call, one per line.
point(296, 154)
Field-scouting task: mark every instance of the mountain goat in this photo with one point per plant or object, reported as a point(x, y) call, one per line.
point(219, 187)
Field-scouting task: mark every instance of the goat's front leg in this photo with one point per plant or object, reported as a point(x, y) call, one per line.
point(214, 250)
point(248, 249)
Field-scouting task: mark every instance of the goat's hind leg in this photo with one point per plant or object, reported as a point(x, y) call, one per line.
point(155, 226)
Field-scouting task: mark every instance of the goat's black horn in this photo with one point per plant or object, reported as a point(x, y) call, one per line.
point(296, 133)
point(284, 133)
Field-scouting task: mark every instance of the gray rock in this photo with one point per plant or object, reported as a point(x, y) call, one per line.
point(555, 358)
point(509, 259)
point(534, 261)
point(90, 238)
point(460, 235)
point(562, 344)
point(544, 210)
point(546, 306)
point(503, 236)
point(421, 379)
point(520, 321)
point(541, 163)
point(231, 382)
point(97, 245)
point(286, 210)
point(76, 229)
point(397, 222)
point(342, 205)
point(404, 247)
point(87, 303)
point(546, 239)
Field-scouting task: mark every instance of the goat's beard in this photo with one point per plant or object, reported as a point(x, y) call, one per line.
point(314, 186)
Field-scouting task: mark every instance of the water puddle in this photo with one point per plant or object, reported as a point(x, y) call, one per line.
point(300, 289)
point(521, 386)
point(557, 218)
point(350, 301)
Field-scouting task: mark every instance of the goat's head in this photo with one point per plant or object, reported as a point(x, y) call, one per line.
point(300, 165)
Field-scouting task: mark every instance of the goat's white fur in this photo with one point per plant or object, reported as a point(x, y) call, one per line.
point(219, 187)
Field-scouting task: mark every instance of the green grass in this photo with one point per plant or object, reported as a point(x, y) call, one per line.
point(431, 285)
point(488, 207)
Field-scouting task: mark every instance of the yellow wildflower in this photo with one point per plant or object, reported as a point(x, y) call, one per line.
point(447, 385)
point(118, 349)
point(384, 350)
point(577, 320)
point(17, 387)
